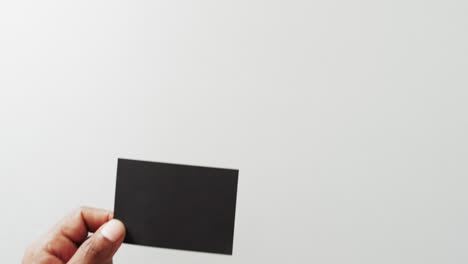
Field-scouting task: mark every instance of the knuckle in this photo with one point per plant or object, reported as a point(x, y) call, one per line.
point(39, 253)
point(80, 210)
point(73, 214)
point(50, 245)
point(28, 254)
point(32, 250)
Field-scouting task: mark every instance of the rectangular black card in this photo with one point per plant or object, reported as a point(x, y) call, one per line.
point(176, 206)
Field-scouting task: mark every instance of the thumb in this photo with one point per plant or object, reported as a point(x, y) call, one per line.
point(102, 245)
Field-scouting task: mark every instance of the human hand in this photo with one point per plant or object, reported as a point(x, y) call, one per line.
point(68, 242)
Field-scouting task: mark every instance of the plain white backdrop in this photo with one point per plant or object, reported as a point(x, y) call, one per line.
point(347, 120)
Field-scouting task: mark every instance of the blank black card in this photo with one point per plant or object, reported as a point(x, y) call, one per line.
point(176, 206)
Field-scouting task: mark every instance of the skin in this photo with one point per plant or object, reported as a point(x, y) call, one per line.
point(68, 241)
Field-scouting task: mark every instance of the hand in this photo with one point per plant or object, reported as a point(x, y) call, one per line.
point(68, 242)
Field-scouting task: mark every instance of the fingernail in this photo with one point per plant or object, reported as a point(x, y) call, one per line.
point(113, 230)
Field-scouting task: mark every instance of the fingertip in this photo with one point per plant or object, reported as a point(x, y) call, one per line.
point(110, 216)
point(114, 230)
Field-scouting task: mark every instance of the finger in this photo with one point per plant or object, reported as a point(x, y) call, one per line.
point(101, 246)
point(76, 225)
point(49, 259)
point(34, 255)
point(62, 242)
point(60, 247)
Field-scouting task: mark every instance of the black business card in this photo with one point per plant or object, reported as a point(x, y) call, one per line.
point(176, 206)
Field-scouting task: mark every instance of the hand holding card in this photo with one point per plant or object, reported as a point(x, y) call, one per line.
point(176, 206)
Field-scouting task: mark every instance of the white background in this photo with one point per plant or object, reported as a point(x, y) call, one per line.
point(347, 120)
